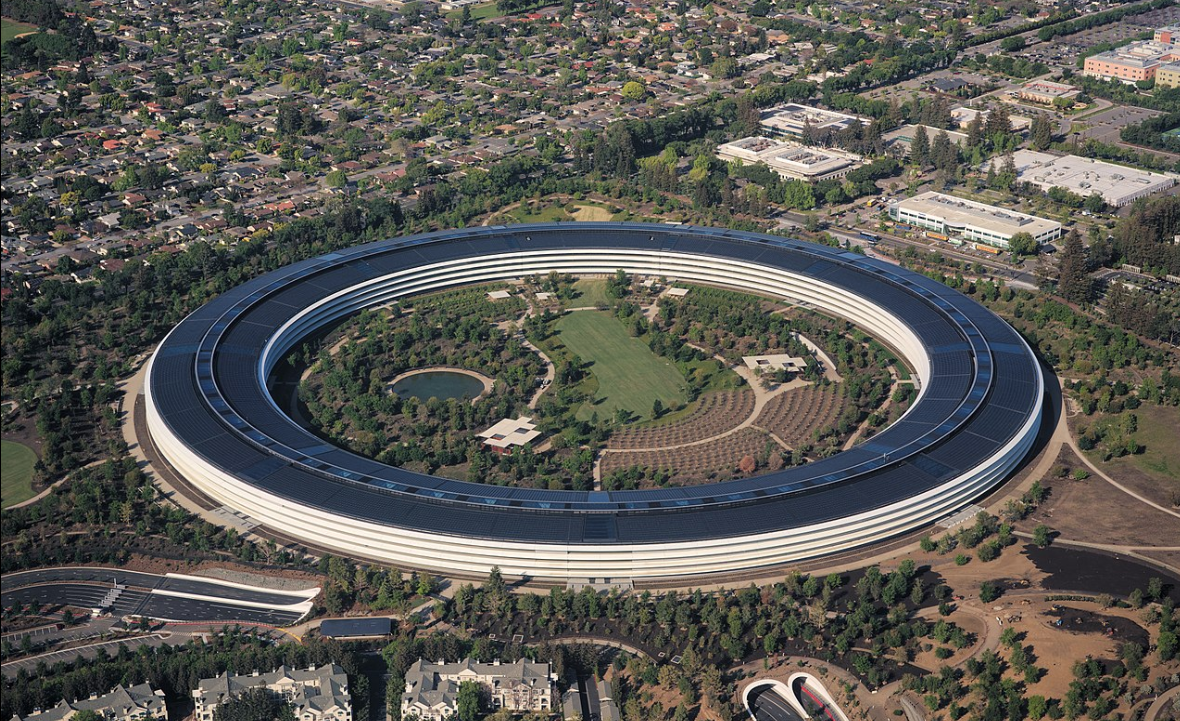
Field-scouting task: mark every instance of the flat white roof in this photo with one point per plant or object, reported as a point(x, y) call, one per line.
point(961, 212)
point(678, 292)
point(793, 117)
point(788, 158)
point(1117, 184)
point(499, 294)
point(511, 432)
point(774, 362)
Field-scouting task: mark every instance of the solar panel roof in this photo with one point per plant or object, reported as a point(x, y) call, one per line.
point(206, 384)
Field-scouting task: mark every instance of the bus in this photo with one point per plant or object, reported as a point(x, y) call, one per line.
point(993, 250)
point(871, 237)
point(936, 236)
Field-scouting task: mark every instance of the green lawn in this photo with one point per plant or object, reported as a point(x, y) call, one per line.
point(9, 29)
point(1157, 432)
point(629, 375)
point(591, 292)
point(551, 214)
point(482, 11)
point(487, 11)
point(16, 473)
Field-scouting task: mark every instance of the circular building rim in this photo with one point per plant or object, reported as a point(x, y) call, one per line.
point(228, 427)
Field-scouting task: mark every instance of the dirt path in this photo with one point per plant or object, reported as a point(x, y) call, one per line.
point(1072, 442)
point(550, 368)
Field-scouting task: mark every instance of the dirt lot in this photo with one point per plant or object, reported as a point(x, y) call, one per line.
point(1095, 511)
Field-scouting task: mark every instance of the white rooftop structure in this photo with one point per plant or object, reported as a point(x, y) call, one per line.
point(791, 160)
point(1117, 184)
point(971, 220)
point(792, 119)
point(678, 292)
point(964, 115)
point(904, 135)
point(499, 294)
point(1046, 91)
point(509, 433)
point(774, 362)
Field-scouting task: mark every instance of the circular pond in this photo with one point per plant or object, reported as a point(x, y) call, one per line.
point(441, 384)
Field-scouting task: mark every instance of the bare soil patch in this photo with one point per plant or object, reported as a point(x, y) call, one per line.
point(1094, 511)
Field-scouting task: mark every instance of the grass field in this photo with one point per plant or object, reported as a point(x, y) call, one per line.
point(487, 11)
point(1157, 433)
point(590, 212)
point(629, 375)
point(9, 29)
point(592, 292)
point(548, 214)
point(1155, 472)
point(16, 473)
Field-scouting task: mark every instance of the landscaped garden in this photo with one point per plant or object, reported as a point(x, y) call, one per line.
point(642, 380)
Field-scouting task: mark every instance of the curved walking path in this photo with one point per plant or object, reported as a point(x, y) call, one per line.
point(1159, 707)
point(762, 396)
point(1073, 444)
point(50, 488)
point(488, 383)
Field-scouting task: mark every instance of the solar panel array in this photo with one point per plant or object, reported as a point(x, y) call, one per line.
point(205, 383)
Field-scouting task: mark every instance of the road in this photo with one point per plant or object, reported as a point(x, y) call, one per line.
point(166, 598)
point(767, 705)
point(154, 582)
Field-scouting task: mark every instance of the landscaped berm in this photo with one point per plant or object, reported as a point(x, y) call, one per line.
point(630, 376)
point(16, 473)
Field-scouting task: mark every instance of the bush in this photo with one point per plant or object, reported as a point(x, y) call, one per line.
point(988, 592)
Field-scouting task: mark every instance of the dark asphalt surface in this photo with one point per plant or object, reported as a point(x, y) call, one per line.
point(767, 705)
point(156, 606)
point(85, 587)
point(187, 609)
point(148, 580)
point(79, 595)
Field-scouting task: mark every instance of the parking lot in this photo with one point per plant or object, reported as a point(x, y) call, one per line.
point(1105, 125)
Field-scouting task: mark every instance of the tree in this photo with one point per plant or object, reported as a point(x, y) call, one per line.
point(256, 704)
point(1041, 132)
point(1073, 275)
point(988, 592)
point(467, 702)
point(1022, 244)
point(336, 179)
point(634, 90)
point(1042, 535)
point(920, 146)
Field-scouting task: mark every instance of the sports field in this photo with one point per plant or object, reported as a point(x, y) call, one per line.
point(16, 473)
point(629, 375)
point(9, 29)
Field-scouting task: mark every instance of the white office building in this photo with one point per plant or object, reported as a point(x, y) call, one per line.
point(792, 120)
point(791, 160)
point(967, 219)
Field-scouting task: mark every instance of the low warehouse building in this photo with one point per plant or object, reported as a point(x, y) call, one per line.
point(1117, 184)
